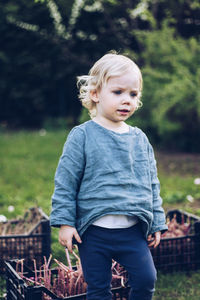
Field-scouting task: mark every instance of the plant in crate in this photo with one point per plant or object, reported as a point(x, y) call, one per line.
point(62, 282)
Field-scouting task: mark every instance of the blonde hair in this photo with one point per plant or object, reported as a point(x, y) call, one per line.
point(110, 65)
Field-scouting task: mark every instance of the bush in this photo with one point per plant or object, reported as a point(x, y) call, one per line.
point(171, 112)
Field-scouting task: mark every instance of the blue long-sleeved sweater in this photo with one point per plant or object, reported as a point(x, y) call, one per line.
point(104, 172)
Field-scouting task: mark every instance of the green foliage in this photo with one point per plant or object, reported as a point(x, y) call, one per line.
point(171, 111)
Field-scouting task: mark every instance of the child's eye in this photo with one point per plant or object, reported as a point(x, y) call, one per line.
point(117, 92)
point(133, 94)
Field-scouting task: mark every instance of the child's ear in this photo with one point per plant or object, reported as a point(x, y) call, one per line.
point(94, 96)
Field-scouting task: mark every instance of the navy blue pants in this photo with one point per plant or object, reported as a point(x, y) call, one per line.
point(129, 248)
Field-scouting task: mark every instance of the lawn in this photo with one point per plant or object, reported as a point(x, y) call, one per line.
point(27, 164)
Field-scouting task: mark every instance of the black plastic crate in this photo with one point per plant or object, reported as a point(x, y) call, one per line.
point(34, 245)
point(179, 253)
point(17, 289)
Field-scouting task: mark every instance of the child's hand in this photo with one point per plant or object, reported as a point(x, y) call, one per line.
point(154, 240)
point(66, 234)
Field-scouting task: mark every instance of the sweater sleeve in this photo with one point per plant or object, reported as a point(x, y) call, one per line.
point(159, 220)
point(68, 177)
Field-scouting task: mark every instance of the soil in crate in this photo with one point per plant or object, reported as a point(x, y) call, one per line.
point(181, 251)
point(22, 225)
point(27, 238)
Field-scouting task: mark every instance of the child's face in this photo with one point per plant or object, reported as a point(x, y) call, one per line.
point(116, 101)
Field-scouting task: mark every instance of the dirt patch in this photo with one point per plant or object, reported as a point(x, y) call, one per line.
point(178, 163)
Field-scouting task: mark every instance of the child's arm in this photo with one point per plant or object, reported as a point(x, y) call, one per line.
point(159, 220)
point(154, 239)
point(66, 235)
point(67, 182)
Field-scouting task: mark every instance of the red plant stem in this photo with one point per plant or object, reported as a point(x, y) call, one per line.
point(68, 259)
point(47, 274)
point(22, 266)
point(49, 280)
point(35, 269)
point(32, 281)
point(63, 266)
point(40, 273)
point(49, 260)
point(76, 283)
point(45, 271)
point(78, 258)
point(113, 264)
point(17, 266)
point(119, 277)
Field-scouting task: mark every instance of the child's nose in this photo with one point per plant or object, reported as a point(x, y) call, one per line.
point(126, 99)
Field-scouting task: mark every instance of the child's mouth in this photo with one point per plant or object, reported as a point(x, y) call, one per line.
point(123, 111)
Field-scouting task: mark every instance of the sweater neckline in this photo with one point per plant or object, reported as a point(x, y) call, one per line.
point(112, 131)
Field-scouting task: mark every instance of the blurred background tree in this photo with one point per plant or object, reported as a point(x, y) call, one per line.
point(171, 111)
point(46, 44)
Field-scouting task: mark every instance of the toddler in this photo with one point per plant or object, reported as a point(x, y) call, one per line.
point(107, 194)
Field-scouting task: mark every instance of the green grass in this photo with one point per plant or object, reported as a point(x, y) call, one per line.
point(28, 162)
point(27, 165)
point(178, 286)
